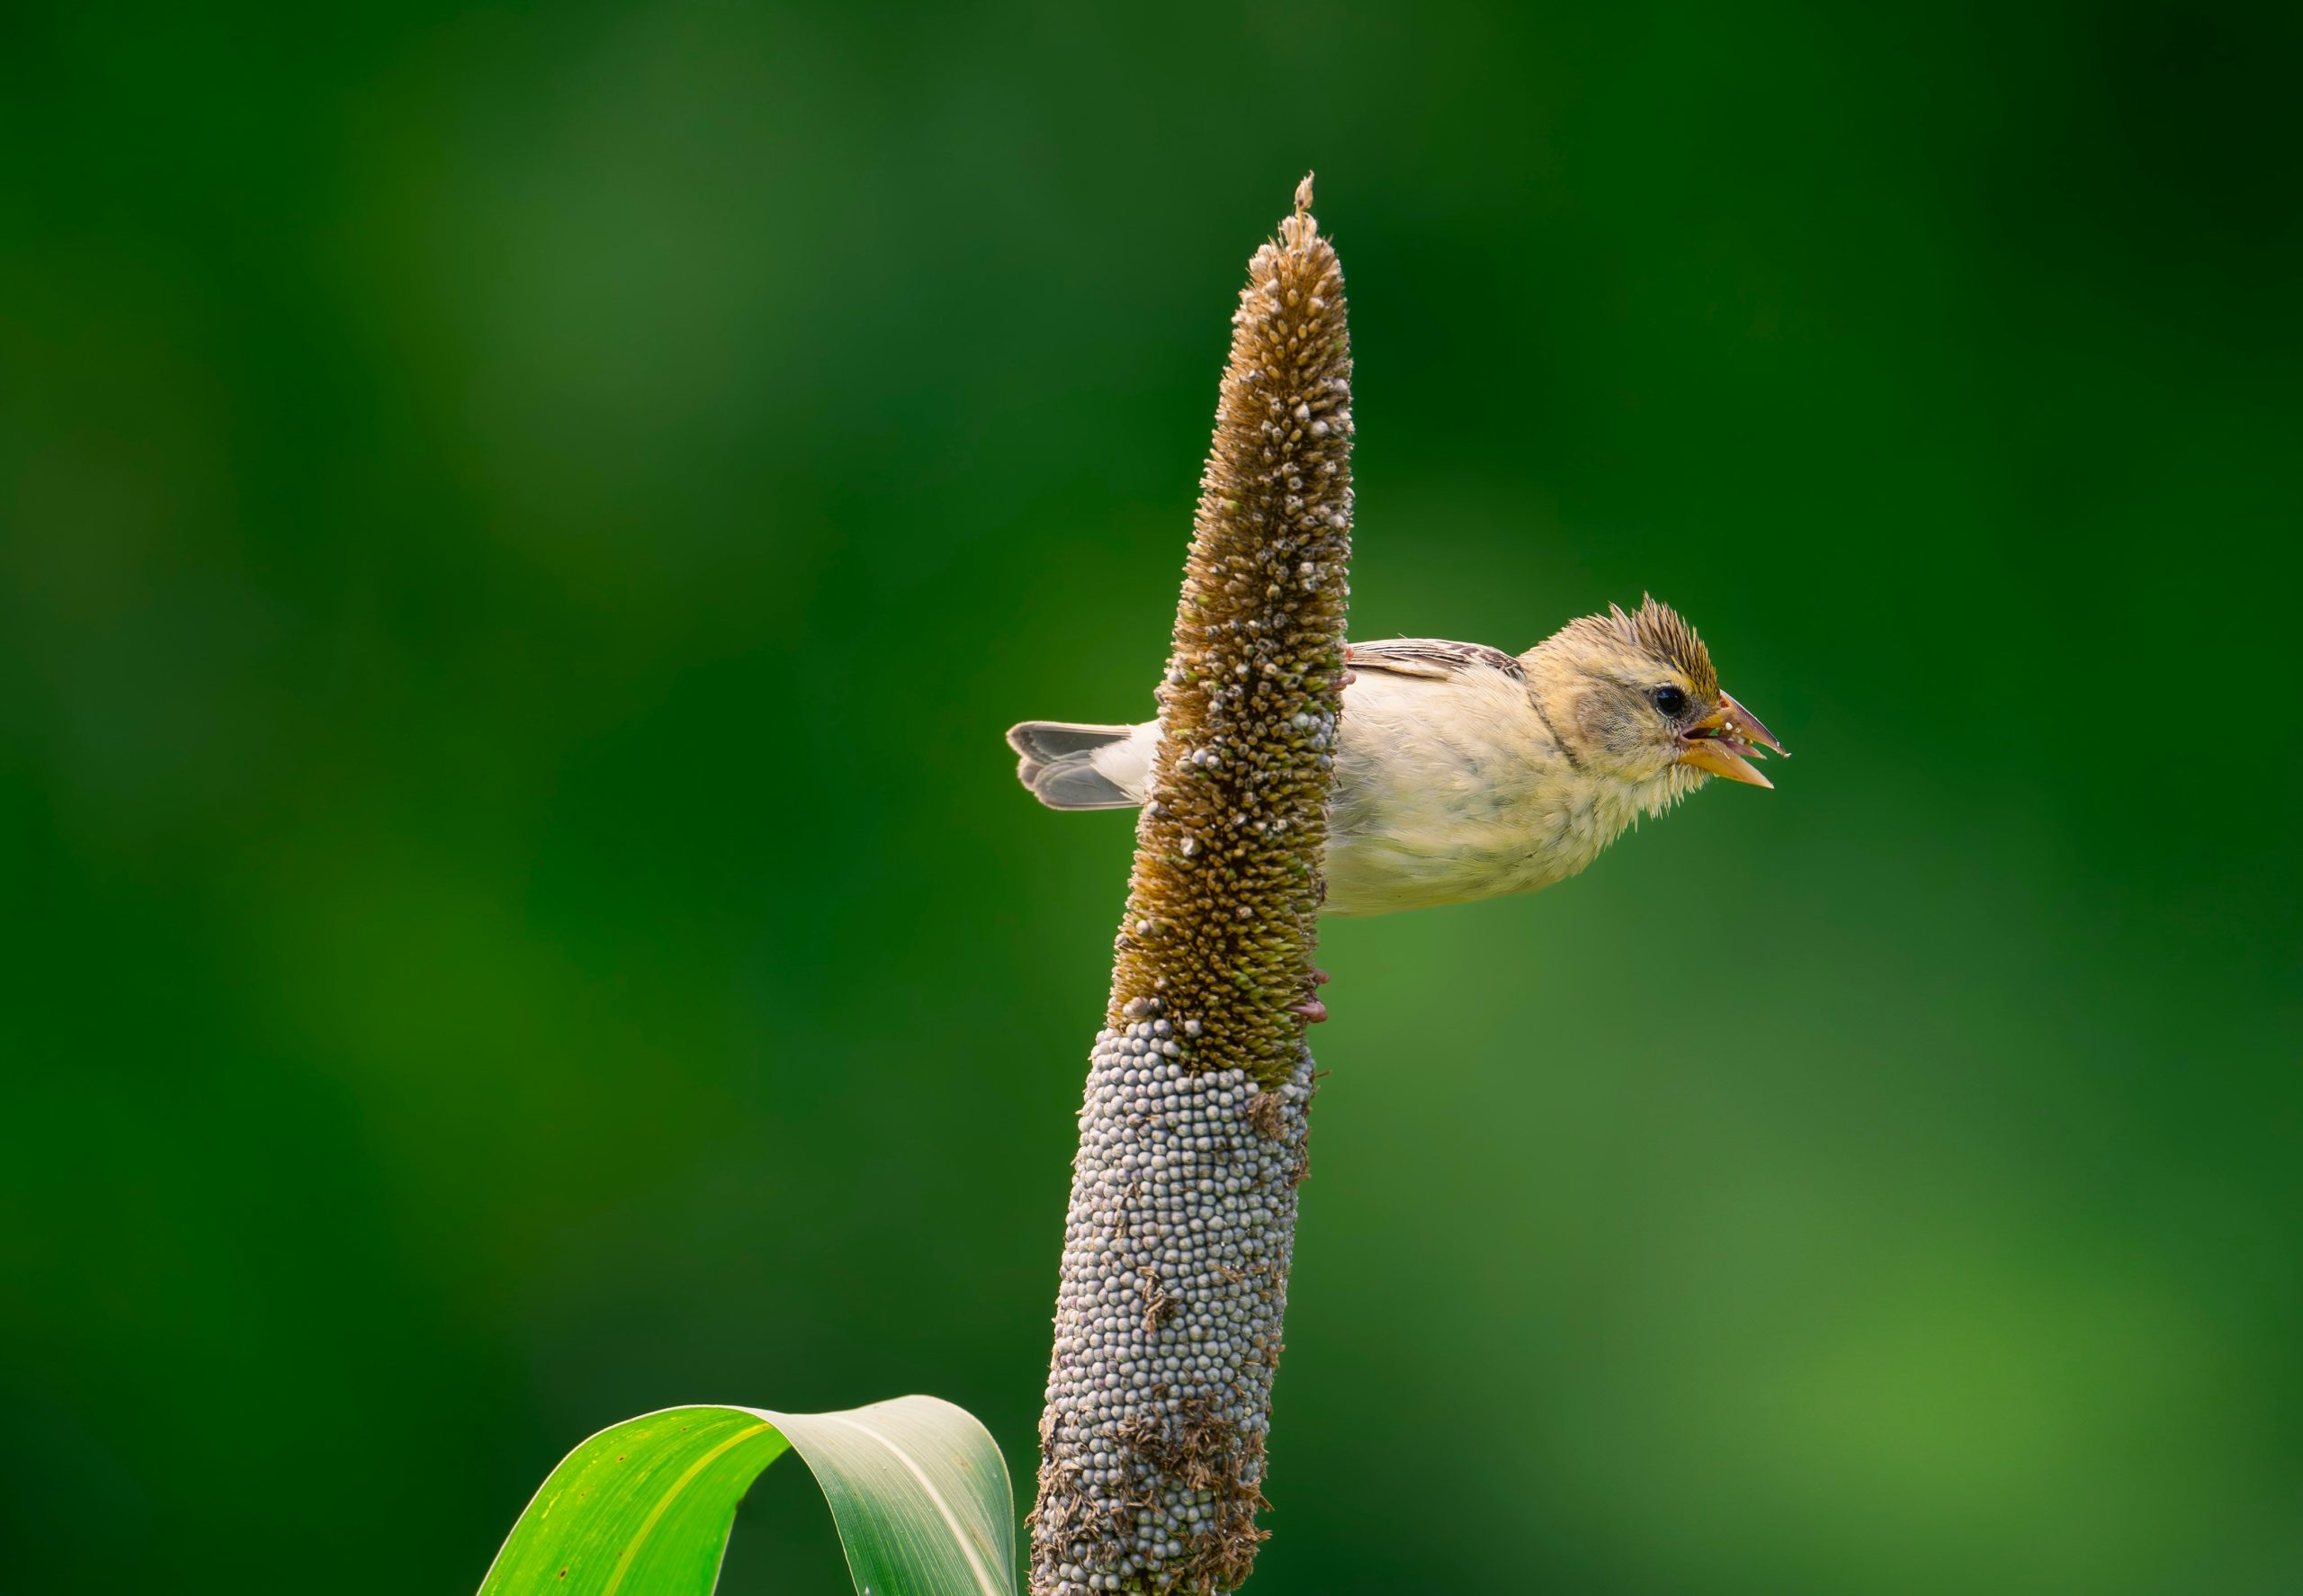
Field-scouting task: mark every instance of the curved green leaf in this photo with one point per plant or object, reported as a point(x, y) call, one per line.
point(917, 1488)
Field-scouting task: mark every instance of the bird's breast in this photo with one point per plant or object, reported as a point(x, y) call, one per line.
point(1448, 791)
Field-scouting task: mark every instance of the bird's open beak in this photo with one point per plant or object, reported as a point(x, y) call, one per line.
point(1725, 741)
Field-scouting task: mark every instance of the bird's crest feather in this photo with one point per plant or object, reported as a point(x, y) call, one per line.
point(1657, 629)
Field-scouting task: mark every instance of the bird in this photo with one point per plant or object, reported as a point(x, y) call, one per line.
point(1464, 772)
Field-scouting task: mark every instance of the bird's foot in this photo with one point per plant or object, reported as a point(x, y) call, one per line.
point(1311, 1007)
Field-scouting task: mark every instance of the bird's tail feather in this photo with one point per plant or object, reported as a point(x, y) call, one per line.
point(1069, 765)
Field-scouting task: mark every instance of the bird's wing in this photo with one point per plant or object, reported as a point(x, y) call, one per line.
point(1435, 659)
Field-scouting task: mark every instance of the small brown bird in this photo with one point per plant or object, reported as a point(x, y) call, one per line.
point(1464, 772)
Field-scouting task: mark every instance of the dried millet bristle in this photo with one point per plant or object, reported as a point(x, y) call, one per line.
point(1220, 906)
point(1182, 1219)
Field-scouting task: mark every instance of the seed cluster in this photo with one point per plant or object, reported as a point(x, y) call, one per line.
point(1168, 1323)
point(1226, 888)
point(1192, 1136)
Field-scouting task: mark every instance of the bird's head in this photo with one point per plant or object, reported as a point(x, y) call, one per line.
point(1636, 698)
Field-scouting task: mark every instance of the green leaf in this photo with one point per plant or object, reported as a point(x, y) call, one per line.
point(917, 1488)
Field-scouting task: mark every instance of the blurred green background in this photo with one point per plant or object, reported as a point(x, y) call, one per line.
point(520, 532)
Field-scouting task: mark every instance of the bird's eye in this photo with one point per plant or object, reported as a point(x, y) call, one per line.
point(1669, 700)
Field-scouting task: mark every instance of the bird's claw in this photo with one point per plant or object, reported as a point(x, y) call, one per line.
point(1313, 1010)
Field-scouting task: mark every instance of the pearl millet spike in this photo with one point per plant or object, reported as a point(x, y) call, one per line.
point(1182, 1218)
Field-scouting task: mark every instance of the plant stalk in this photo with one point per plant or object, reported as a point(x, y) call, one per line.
point(1192, 1135)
